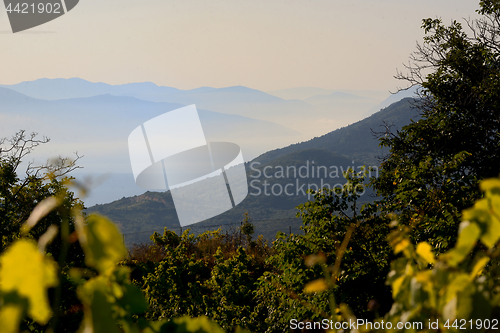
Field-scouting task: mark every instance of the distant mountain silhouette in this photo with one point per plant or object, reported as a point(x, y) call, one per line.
point(300, 92)
point(52, 89)
point(303, 117)
point(303, 93)
point(95, 119)
point(98, 127)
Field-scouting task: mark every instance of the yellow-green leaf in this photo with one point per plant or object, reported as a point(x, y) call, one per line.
point(459, 283)
point(10, 318)
point(315, 286)
point(402, 245)
point(396, 285)
point(490, 185)
point(425, 278)
point(29, 273)
point(466, 241)
point(492, 234)
point(102, 243)
point(478, 267)
point(495, 204)
point(98, 313)
point(425, 251)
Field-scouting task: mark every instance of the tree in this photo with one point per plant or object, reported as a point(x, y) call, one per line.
point(350, 239)
point(435, 164)
point(247, 229)
point(20, 194)
point(23, 185)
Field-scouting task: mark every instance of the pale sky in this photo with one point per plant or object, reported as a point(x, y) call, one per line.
point(262, 44)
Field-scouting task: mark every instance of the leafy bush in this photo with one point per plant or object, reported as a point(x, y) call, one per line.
point(202, 274)
point(110, 302)
point(460, 285)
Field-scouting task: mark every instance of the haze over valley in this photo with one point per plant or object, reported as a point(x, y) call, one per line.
point(95, 119)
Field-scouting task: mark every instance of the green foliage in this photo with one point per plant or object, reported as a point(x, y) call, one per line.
point(236, 287)
point(209, 274)
point(359, 268)
point(175, 287)
point(102, 242)
point(19, 196)
point(247, 227)
point(435, 165)
point(232, 283)
point(460, 284)
point(111, 303)
point(189, 325)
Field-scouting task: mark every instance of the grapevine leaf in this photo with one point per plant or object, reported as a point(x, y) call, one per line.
point(25, 270)
point(315, 286)
point(103, 243)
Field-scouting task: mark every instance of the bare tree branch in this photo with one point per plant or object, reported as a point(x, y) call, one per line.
point(15, 149)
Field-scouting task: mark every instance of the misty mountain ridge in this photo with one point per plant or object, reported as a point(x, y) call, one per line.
point(236, 100)
point(98, 127)
point(95, 119)
point(351, 146)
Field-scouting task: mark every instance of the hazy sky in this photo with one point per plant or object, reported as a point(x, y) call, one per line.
point(262, 44)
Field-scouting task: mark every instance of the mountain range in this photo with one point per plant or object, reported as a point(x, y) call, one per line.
point(321, 161)
point(95, 119)
point(236, 100)
point(98, 127)
point(285, 141)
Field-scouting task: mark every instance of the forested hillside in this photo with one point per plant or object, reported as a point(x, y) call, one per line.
point(268, 203)
point(357, 141)
point(270, 207)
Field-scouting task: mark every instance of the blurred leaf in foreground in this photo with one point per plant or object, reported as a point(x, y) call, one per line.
point(29, 273)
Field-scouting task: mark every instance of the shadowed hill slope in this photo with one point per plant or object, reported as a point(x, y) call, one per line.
point(356, 141)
